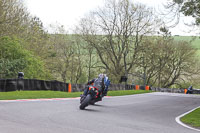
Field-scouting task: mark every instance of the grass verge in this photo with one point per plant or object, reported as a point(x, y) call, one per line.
point(57, 94)
point(126, 92)
point(192, 119)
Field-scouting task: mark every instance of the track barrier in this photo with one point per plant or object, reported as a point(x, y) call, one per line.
point(34, 84)
point(31, 84)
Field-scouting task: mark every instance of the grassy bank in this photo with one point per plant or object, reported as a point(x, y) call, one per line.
point(57, 94)
point(192, 119)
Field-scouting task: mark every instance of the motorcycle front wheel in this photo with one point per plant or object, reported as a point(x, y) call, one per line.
point(85, 102)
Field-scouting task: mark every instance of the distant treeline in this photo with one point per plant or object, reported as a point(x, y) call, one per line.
point(117, 42)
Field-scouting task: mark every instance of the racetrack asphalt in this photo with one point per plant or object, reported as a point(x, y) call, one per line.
point(142, 113)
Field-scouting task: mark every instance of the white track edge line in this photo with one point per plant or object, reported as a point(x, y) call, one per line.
point(42, 99)
point(181, 123)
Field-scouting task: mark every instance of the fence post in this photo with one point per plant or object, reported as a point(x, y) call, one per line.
point(147, 88)
point(69, 87)
point(137, 87)
point(185, 91)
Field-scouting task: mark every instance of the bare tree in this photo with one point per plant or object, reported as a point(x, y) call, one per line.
point(13, 16)
point(65, 58)
point(60, 53)
point(167, 61)
point(116, 31)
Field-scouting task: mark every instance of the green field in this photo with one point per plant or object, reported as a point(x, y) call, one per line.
point(57, 94)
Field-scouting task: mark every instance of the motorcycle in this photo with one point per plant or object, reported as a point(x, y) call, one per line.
point(94, 95)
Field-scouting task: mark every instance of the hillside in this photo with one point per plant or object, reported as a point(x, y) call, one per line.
point(195, 41)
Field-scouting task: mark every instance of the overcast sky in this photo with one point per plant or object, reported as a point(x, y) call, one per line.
point(68, 12)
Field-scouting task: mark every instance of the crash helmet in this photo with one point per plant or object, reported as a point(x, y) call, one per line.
point(101, 76)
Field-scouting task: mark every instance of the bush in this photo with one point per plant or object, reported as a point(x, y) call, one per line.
point(14, 58)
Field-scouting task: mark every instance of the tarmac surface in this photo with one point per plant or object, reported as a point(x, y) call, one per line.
point(142, 113)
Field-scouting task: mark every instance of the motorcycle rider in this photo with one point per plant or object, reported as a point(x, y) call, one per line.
point(189, 90)
point(20, 75)
point(102, 83)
